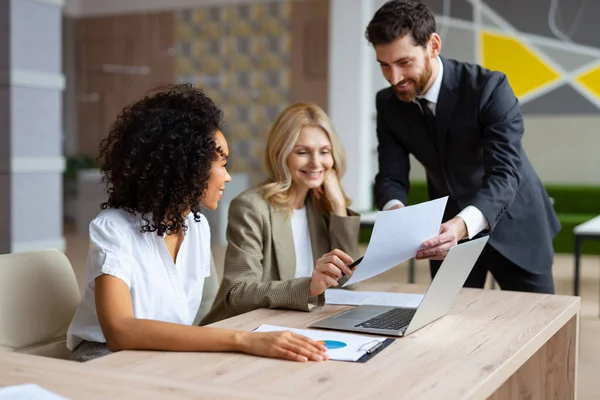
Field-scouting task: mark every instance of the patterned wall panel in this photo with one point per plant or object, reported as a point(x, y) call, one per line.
point(240, 55)
point(545, 47)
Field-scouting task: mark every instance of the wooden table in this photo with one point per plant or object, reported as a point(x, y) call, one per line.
point(75, 380)
point(496, 344)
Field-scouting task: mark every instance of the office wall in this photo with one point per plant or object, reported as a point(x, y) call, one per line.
point(240, 55)
point(351, 98)
point(118, 59)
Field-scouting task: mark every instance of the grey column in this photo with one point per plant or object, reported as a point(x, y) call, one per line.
point(31, 160)
point(351, 105)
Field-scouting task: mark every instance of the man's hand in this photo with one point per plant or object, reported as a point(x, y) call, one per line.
point(451, 232)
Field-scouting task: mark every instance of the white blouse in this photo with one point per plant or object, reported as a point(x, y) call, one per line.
point(302, 245)
point(160, 289)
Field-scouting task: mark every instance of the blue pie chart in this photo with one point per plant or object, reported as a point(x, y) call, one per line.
point(333, 344)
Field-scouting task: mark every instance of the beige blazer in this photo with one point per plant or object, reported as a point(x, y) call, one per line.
point(260, 261)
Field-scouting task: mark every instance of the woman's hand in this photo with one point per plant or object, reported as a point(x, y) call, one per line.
point(286, 345)
point(332, 190)
point(328, 270)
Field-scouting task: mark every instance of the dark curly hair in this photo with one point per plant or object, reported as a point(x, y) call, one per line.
point(157, 157)
point(396, 18)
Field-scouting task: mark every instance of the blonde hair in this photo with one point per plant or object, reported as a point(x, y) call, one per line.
point(283, 135)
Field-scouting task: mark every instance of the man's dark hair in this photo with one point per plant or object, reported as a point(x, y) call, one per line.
point(397, 18)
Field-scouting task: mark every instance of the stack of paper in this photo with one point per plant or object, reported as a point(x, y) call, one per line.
point(28, 391)
point(358, 298)
point(397, 236)
point(340, 346)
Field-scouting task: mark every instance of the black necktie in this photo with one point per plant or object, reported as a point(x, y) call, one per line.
point(429, 120)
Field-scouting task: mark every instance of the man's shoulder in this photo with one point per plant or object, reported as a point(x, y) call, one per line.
point(386, 101)
point(385, 94)
point(472, 76)
point(467, 68)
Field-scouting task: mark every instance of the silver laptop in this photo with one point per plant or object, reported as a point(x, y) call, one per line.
point(437, 301)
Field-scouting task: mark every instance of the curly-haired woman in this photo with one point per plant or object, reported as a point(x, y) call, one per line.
point(292, 237)
point(150, 247)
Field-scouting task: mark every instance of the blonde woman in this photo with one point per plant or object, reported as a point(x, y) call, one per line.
point(292, 237)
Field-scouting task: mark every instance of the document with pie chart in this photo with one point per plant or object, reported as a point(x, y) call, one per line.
point(340, 346)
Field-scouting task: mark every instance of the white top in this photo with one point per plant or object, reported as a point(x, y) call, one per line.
point(433, 93)
point(302, 247)
point(473, 217)
point(160, 289)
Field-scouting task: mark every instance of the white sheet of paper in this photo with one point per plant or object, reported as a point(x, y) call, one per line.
point(397, 236)
point(29, 391)
point(355, 345)
point(358, 298)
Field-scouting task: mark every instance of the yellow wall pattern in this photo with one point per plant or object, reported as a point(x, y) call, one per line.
point(240, 55)
point(524, 69)
point(527, 69)
point(591, 81)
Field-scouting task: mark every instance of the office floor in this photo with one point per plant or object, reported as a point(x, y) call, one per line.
point(589, 356)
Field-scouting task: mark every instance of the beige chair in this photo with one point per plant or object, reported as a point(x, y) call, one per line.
point(38, 297)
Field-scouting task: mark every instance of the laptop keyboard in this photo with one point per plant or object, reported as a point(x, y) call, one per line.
point(395, 319)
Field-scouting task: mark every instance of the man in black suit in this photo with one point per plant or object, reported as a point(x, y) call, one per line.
point(464, 124)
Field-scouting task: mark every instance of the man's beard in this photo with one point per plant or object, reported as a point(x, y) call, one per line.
point(410, 94)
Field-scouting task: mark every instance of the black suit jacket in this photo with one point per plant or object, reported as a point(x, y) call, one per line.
point(478, 160)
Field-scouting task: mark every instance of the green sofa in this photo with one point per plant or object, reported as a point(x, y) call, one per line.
point(574, 204)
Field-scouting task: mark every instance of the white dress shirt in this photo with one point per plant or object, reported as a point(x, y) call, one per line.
point(473, 217)
point(160, 289)
point(302, 245)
